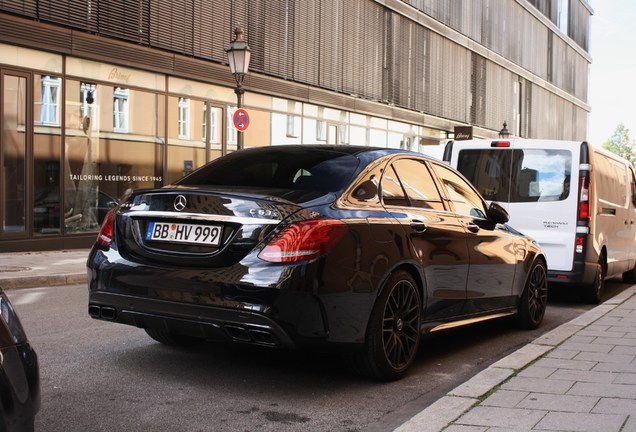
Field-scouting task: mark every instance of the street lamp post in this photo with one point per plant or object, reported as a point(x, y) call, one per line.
point(504, 133)
point(238, 56)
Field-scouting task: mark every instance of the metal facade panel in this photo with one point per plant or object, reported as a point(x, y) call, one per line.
point(306, 33)
point(373, 50)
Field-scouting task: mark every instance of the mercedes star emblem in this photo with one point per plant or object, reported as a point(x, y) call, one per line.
point(180, 202)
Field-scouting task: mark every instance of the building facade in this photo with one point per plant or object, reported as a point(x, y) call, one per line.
point(102, 96)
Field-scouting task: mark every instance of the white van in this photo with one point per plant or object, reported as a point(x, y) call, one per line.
point(575, 200)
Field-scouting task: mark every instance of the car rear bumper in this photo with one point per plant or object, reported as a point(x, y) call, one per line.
point(582, 274)
point(205, 322)
point(282, 306)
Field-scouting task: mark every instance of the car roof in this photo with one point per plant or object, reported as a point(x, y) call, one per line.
point(342, 148)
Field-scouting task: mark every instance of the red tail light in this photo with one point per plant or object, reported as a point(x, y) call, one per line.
point(105, 236)
point(500, 144)
point(584, 199)
point(304, 240)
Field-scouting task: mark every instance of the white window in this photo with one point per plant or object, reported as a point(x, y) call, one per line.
point(204, 133)
point(293, 126)
point(50, 100)
point(184, 118)
point(120, 109)
point(321, 130)
point(343, 131)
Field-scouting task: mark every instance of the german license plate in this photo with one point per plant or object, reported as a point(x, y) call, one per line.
point(184, 233)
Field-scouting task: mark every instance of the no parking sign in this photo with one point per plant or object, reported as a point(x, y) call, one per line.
point(241, 119)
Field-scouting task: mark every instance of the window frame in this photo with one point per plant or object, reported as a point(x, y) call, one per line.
point(184, 109)
point(51, 94)
point(121, 109)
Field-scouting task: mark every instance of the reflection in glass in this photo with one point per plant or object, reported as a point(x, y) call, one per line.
point(186, 140)
point(14, 150)
point(47, 207)
point(102, 162)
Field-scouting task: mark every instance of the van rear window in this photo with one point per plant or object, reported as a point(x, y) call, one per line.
point(518, 175)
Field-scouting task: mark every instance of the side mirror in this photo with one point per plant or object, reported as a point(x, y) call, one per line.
point(497, 213)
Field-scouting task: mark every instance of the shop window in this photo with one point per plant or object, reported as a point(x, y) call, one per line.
point(50, 114)
point(184, 118)
point(120, 109)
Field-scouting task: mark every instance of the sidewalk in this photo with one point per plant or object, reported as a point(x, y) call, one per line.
point(580, 376)
point(37, 269)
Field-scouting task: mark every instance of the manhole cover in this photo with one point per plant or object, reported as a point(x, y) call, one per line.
point(6, 269)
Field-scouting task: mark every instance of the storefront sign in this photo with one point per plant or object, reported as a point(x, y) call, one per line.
point(114, 178)
point(463, 133)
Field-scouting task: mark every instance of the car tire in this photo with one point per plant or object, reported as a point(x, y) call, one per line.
point(592, 293)
point(534, 298)
point(393, 332)
point(630, 276)
point(167, 338)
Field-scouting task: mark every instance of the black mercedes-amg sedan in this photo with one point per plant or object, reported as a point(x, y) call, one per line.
point(19, 373)
point(358, 248)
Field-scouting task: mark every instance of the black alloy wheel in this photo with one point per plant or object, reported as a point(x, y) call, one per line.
point(534, 299)
point(393, 334)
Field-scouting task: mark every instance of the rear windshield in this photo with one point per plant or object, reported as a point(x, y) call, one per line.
point(278, 168)
point(519, 175)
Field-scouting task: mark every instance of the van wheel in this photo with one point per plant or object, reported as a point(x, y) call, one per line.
point(592, 293)
point(630, 276)
point(534, 299)
point(393, 333)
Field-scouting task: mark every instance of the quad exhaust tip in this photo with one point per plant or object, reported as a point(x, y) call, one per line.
point(102, 312)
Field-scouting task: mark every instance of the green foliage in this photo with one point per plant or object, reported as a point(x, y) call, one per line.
point(621, 144)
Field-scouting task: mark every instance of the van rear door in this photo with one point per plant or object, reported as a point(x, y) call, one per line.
point(533, 180)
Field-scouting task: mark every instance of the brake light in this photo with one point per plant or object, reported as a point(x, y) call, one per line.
point(105, 236)
point(500, 144)
point(584, 199)
point(304, 240)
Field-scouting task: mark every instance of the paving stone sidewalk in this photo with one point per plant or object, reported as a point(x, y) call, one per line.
point(38, 269)
point(579, 377)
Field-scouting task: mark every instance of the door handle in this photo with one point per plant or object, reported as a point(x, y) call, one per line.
point(418, 226)
point(472, 227)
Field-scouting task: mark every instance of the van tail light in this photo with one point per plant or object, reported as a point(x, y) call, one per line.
point(584, 199)
point(105, 236)
point(500, 144)
point(302, 241)
point(579, 243)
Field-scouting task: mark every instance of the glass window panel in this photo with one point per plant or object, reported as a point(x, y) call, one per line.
point(47, 178)
point(462, 196)
point(49, 100)
point(526, 175)
point(100, 166)
point(186, 150)
point(14, 151)
point(418, 184)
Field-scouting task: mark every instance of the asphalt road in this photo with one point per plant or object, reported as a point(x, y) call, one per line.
point(102, 376)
